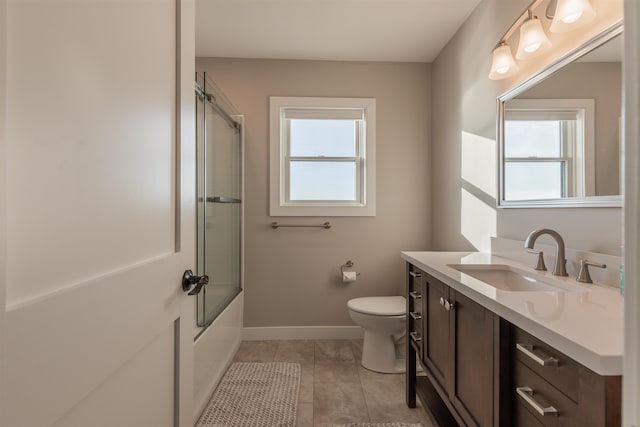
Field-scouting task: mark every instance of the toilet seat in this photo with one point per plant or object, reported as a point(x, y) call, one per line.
point(379, 306)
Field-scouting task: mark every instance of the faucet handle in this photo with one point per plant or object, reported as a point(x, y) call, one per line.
point(583, 274)
point(540, 264)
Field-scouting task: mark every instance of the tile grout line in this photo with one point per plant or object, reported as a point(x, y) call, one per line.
point(364, 397)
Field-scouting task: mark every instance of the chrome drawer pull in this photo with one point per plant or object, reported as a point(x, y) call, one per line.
point(415, 315)
point(415, 295)
point(527, 350)
point(415, 274)
point(527, 394)
point(415, 336)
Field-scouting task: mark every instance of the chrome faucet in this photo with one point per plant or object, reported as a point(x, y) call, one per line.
point(560, 269)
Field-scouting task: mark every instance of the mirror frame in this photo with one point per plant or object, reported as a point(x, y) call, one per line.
point(569, 202)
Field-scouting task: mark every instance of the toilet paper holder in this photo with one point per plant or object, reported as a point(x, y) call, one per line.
point(348, 264)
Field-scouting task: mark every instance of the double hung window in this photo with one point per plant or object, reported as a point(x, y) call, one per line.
point(546, 149)
point(322, 156)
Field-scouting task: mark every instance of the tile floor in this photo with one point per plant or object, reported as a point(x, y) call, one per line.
point(334, 387)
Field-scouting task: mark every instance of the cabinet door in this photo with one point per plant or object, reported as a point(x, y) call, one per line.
point(436, 329)
point(470, 385)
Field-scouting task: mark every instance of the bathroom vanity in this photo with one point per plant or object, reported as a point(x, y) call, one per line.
point(503, 345)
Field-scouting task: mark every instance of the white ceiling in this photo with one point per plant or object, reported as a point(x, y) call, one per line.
point(344, 30)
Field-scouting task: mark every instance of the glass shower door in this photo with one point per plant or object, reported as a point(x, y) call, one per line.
point(219, 211)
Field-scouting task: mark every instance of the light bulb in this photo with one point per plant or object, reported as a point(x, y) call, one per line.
point(571, 14)
point(532, 48)
point(570, 19)
point(502, 65)
point(533, 39)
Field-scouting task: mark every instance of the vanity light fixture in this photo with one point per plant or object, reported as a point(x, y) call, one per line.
point(503, 65)
point(571, 14)
point(566, 15)
point(533, 39)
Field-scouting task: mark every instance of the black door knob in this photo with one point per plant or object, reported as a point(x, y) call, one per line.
point(189, 280)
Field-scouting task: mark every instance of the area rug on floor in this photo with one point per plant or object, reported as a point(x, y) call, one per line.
point(374, 425)
point(256, 395)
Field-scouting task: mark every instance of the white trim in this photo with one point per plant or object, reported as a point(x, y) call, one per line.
point(277, 175)
point(302, 333)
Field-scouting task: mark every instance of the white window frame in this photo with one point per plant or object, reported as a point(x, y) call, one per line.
point(579, 160)
point(279, 202)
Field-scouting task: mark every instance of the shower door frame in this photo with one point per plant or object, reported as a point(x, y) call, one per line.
point(236, 121)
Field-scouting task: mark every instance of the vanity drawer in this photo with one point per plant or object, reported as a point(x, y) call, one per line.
point(555, 367)
point(524, 418)
point(535, 395)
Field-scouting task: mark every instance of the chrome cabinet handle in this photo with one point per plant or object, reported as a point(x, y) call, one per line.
point(415, 336)
point(415, 274)
point(527, 394)
point(442, 301)
point(527, 350)
point(415, 295)
point(415, 315)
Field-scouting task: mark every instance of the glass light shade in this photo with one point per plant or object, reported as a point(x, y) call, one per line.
point(503, 65)
point(571, 14)
point(533, 40)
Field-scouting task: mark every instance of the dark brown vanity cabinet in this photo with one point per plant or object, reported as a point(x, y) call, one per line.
point(551, 389)
point(436, 347)
point(455, 349)
point(482, 371)
point(472, 351)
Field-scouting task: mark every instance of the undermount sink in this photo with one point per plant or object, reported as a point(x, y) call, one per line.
point(507, 278)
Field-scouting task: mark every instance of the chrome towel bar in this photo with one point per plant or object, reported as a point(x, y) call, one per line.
point(326, 225)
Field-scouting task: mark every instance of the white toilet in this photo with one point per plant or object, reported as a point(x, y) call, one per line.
point(384, 323)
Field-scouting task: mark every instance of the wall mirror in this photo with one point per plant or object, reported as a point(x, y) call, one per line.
point(560, 133)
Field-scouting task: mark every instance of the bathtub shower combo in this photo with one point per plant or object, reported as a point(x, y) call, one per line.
point(219, 200)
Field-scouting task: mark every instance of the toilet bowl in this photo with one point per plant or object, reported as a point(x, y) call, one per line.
point(384, 322)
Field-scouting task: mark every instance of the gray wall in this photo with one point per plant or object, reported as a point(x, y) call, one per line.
point(464, 109)
point(292, 276)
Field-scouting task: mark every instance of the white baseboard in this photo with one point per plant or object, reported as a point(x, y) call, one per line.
point(302, 333)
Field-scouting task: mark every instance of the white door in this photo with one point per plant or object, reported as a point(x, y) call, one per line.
point(96, 212)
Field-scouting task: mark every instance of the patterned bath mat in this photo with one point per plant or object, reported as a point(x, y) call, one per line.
point(373, 425)
point(256, 395)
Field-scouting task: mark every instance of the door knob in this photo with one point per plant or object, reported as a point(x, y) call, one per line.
point(189, 280)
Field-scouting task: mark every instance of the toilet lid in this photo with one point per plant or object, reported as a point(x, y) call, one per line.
point(379, 306)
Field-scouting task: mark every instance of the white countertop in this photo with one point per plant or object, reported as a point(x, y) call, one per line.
point(586, 326)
